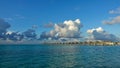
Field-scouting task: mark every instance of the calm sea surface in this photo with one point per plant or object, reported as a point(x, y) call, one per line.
point(59, 56)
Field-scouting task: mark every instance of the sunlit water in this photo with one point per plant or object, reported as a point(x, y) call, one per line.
point(59, 56)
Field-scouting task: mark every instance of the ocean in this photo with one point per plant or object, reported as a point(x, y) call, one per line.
point(59, 56)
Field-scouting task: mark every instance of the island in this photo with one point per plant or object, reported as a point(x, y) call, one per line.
point(93, 43)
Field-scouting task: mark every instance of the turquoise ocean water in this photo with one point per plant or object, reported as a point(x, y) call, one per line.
point(59, 56)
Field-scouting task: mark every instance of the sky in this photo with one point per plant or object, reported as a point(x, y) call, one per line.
point(23, 14)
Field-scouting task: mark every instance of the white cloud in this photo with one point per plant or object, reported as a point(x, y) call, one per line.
point(100, 34)
point(116, 11)
point(115, 20)
point(90, 31)
point(9, 32)
point(69, 29)
point(99, 29)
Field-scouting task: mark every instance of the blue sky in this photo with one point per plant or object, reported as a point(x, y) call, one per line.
point(22, 14)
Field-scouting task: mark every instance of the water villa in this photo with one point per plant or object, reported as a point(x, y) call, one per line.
point(84, 43)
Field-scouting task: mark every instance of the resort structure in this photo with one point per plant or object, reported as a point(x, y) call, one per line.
point(84, 43)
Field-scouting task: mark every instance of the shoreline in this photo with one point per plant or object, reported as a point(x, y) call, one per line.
point(88, 43)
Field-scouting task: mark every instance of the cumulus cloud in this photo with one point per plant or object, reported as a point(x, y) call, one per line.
point(30, 34)
point(45, 35)
point(3, 28)
point(116, 11)
point(99, 29)
point(11, 36)
point(115, 20)
point(3, 25)
point(68, 29)
point(100, 34)
point(14, 36)
point(8, 35)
